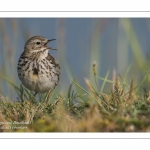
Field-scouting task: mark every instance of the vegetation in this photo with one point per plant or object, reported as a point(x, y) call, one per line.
point(124, 109)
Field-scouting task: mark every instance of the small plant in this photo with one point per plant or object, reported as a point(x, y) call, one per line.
point(86, 110)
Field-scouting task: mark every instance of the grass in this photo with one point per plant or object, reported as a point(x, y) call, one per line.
point(80, 110)
point(108, 103)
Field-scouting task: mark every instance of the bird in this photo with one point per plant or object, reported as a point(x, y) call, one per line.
point(37, 69)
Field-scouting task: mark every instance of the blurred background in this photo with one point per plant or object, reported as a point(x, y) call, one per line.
point(119, 47)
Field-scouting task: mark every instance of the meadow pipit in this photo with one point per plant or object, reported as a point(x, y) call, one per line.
point(37, 69)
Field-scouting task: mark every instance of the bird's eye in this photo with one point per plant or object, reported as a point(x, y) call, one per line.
point(38, 43)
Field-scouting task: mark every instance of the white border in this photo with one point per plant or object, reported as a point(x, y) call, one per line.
point(63, 135)
point(81, 144)
point(77, 5)
point(81, 14)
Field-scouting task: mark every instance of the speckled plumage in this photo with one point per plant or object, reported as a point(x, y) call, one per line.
point(37, 69)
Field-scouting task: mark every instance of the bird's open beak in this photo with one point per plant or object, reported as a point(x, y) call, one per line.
point(50, 47)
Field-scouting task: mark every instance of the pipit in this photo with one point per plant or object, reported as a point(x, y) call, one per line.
point(37, 69)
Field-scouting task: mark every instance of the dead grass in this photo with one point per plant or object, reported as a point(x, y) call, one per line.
point(121, 111)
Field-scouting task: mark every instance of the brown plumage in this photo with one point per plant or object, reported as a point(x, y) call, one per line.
point(37, 69)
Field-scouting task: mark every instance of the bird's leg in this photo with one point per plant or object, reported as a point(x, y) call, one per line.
point(48, 95)
point(35, 94)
